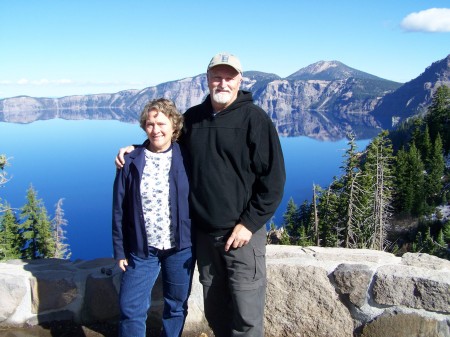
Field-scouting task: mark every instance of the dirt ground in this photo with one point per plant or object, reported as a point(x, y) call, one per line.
point(70, 329)
point(64, 329)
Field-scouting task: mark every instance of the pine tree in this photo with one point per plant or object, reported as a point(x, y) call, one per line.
point(303, 239)
point(410, 183)
point(62, 250)
point(417, 181)
point(350, 198)
point(285, 239)
point(378, 173)
point(315, 213)
point(404, 194)
point(446, 232)
point(9, 235)
point(290, 219)
point(329, 216)
point(435, 173)
point(426, 148)
point(438, 118)
point(3, 174)
point(306, 221)
point(36, 234)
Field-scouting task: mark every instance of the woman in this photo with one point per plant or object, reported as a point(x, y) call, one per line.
point(151, 224)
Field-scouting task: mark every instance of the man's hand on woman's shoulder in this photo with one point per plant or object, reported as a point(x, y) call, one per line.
point(120, 158)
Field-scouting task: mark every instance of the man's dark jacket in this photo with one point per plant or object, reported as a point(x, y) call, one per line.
point(237, 165)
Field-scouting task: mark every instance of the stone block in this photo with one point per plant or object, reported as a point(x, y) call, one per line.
point(301, 301)
point(101, 301)
point(12, 291)
point(405, 325)
point(413, 287)
point(352, 281)
point(52, 290)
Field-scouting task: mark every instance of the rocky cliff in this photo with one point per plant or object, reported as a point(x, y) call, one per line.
point(324, 100)
point(311, 291)
point(414, 97)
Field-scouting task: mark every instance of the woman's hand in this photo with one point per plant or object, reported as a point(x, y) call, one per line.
point(122, 264)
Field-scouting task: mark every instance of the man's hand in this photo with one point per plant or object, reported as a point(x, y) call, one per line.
point(239, 237)
point(120, 160)
point(122, 264)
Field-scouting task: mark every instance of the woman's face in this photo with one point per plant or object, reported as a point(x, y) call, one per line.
point(159, 130)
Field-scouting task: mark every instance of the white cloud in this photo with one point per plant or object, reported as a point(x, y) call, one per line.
point(432, 20)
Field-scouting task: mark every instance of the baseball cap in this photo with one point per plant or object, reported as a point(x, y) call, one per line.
point(226, 59)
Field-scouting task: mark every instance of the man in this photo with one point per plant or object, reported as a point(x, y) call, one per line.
point(236, 186)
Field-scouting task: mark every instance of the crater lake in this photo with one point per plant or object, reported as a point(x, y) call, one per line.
point(74, 160)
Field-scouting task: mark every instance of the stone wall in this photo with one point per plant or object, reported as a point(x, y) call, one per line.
point(311, 291)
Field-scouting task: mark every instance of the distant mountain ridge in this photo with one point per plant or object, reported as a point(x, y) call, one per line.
point(414, 97)
point(324, 100)
point(329, 71)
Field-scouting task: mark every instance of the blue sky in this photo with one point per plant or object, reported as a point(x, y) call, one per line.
point(51, 48)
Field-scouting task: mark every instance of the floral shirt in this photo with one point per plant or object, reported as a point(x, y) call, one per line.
point(156, 201)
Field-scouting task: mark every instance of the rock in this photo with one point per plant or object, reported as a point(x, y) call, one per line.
point(426, 261)
point(312, 291)
point(405, 325)
point(301, 301)
point(353, 280)
point(100, 299)
point(52, 290)
point(12, 293)
point(413, 287)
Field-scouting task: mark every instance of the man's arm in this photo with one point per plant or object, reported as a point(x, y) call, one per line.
point(120, 158)
point(268, 166)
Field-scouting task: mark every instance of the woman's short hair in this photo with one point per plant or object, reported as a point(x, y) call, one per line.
point(168, 108)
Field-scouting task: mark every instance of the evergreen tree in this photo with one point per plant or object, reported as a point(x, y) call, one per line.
point(426, 148)
point(435, 173)
point(290, 219)
point(417, 181)
point(417, 136)
point(303, 239)
point(9, 235)
point(378, 173)
point(446, 232)
point(404, 194)
point(350, 196)
point(329, 216)
point(62, 250)
point(305, 217)
point(3, 174)
point(35, 229)
point(315, 215)
point(410, 183)
point(438, 118)
point(285, 239)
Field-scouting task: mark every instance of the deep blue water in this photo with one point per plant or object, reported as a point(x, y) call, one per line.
point(74, 160)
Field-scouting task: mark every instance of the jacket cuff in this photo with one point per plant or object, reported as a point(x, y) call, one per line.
point(249, 223)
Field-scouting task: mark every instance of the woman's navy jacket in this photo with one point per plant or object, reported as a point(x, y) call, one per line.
point(128, 226)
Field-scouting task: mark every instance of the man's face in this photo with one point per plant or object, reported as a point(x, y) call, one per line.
point(223, 84)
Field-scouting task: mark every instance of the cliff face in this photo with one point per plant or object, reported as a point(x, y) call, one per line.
point(414, 97)
point(325, 100)
point(311, 291)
